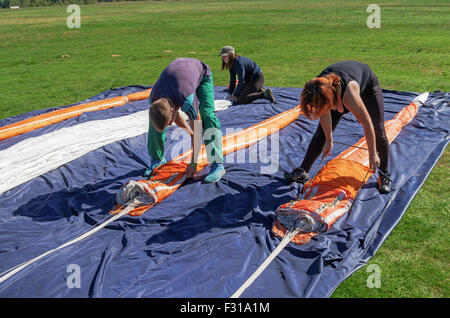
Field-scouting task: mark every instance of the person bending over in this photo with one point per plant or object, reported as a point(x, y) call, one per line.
point(340, 88)
point(185, 84)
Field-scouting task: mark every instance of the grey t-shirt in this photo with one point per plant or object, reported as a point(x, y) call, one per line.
point(179, 81)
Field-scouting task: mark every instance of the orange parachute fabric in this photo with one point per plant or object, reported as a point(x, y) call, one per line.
point(169, 176)
point(57, 116)
point(330, 193)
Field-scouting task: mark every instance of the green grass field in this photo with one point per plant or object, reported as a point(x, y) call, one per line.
point(43, 63)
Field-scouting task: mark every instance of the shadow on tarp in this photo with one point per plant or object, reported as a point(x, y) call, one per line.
point(221, 212)
point(206, 239)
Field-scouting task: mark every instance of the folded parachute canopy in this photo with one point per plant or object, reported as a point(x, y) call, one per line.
point(136, 197)
point(57, 116)
point(220, 231)
point(144, 194)
point(44, 151)
point(330, 194)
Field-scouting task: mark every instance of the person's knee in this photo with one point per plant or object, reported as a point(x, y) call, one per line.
point(243, 100)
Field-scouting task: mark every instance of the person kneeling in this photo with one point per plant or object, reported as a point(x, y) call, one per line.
point(250, 78)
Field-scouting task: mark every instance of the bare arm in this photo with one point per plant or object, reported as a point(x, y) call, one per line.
point(352, 100)
point(181, 122)
point(326, 123)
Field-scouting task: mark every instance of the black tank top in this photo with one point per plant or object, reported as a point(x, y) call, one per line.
point(350, 71)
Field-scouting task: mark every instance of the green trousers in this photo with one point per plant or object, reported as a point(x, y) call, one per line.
point(205, 95)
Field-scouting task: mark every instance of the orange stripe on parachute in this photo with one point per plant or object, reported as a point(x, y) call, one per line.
point(139, 95)
point(169, 176)
point(331, 192)
point(57, 116)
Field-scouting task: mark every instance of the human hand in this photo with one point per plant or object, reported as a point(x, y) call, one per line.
point(190, 171)
point(232, 98)
point(374, 162)
point(154, 164)
point(327, 148)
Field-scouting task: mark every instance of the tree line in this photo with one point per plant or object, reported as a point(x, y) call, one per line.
point(41, 3)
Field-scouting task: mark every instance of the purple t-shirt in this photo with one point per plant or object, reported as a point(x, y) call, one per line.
point(179, 81)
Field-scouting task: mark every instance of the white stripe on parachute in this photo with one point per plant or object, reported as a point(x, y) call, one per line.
point(35, 156)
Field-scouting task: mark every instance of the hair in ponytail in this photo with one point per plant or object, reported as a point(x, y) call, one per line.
point(319, 95)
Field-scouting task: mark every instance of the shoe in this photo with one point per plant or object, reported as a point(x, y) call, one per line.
point(384, 184)
point(297, 175)
point(153, 165)
point(269, 95)
point(216, 173)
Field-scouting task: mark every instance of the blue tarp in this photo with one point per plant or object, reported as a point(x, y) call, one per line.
point(206, 239)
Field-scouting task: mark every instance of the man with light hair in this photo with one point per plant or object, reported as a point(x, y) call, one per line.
point(185, 84)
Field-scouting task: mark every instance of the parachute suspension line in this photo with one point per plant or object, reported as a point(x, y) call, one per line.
point(12, 271)
point(360, 187)
point(348, 145)
point(174, 138)
point(308, 183)
point(167, 149)
point(384, 175)
point(12, 268)
point(284, 242)
point(357, 193)
point(296, 228)
point(363, 148)
point(290, 234)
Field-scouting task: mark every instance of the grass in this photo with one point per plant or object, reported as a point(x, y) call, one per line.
point(414, 259)
point(45, 64)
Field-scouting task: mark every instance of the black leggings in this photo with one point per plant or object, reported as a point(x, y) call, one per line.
point(252, 90)
point(373, 100)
